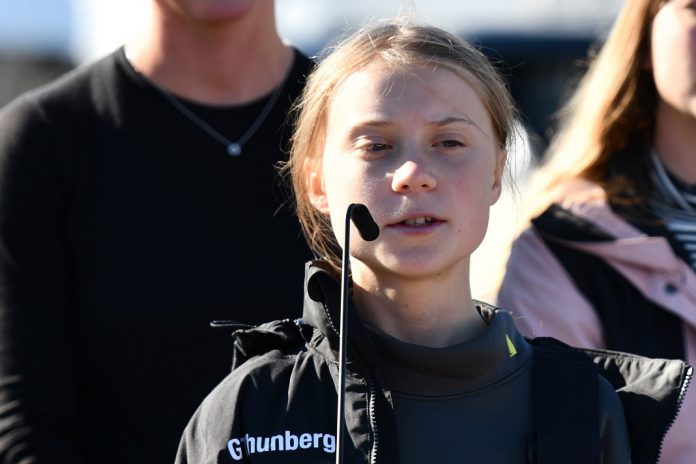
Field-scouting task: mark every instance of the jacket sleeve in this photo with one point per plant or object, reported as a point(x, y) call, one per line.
point(616, 447)
point(37, 366)
point(542, 298)
point(209, 436)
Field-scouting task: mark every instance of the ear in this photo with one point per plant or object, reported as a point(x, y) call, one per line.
point(317, 195)
point(497, 186)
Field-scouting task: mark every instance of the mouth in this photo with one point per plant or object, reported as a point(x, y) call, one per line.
point(417, 221)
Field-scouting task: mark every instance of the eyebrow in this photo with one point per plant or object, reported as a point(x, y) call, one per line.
point(437, 122)
point(452, 120)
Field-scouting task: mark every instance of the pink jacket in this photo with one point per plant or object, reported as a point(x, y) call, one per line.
point(544, 301)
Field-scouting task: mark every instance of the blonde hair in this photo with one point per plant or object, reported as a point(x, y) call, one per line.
point(607, 126)
point(399, 44)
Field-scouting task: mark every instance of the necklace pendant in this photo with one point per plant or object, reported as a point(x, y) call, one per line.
point(234, 149)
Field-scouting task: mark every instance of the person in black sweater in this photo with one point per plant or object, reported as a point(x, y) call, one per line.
point(138, 202)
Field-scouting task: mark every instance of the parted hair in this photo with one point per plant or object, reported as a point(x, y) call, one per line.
point(400, 44)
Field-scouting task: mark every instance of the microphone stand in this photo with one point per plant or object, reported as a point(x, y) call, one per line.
point(369, 231)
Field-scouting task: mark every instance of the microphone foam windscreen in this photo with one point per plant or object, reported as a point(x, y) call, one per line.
point(368, 228)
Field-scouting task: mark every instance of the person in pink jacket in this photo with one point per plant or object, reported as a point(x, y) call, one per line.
point(609, 257)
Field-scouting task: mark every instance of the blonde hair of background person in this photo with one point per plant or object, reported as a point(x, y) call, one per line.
point(612, 111)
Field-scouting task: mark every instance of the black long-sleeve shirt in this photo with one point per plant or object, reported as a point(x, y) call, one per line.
point(124, 230)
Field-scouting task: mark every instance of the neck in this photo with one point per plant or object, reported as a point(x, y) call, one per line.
point(225, 63)
point(675, 139)
point(435, 311)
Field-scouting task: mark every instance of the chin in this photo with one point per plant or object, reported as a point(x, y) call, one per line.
point(221, 11)
point(414, 268)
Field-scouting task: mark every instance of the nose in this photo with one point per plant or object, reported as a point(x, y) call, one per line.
point(412, 177)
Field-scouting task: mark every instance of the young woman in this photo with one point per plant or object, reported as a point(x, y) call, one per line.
point(610, 263)
point(413, 123)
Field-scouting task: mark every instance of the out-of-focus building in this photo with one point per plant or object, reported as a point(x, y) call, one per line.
point(35, 37)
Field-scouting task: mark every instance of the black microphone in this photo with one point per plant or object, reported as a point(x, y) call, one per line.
point(369, 230)
point(367, 227)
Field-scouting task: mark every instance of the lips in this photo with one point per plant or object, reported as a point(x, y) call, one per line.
point(420, 220)
point(417, 220)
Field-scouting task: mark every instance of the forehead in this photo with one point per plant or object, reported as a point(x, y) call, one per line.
point(391, 91)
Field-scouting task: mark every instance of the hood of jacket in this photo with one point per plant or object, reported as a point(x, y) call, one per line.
point(321, 311)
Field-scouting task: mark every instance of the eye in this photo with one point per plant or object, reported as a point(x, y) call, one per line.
point(374, 147)
point(450, 144)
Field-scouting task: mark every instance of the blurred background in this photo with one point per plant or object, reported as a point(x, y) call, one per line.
point(541, 47)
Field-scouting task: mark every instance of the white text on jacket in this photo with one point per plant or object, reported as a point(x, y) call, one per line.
point(248, 445)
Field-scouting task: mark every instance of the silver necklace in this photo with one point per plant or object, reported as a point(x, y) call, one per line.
point(233, 148)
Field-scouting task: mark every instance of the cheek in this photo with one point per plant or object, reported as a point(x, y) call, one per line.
point(343, 185)
point(673, 53)
point(659, 53)
point(335, 182)
point(475, 192)
point(479, 176)
point(349, 182)
point(470, 196)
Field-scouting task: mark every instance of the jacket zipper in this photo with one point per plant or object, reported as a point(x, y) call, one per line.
point(368, 379)
point(680, 400)
point(373, 423)
point(372, 393)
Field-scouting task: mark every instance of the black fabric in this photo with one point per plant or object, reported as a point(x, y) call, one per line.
point(652, 403)
point(565, 386)
point(559, 222)
point(630, 322)
point(468, 366)
point(566, 405)
point(282, 385)
point(124, 230)
point(440, 394)
point(284, 379)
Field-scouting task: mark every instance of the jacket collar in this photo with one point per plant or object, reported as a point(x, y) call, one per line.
point(322, 306)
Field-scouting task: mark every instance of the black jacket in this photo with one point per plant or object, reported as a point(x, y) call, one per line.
point(279, 403)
